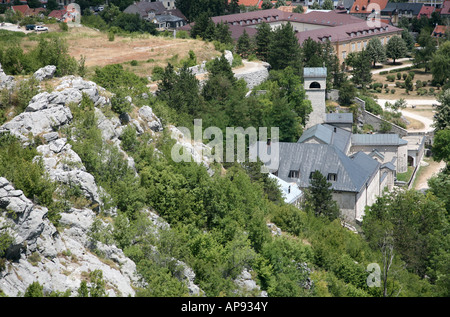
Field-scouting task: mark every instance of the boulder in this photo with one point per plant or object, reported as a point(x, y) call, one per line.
point(151, 120)
point(65, 166)
point(46, 72)
point(6, 81)
point(37, 122)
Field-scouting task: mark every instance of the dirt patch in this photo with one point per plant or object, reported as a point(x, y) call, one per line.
point(149, 51)
point(414, 124)
point(424, 173)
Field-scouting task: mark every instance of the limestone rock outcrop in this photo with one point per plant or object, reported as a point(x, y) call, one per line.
point(6, 81)
point(58, 260)
point(46, 72)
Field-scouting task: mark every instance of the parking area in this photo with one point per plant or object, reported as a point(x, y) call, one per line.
point(14, 27)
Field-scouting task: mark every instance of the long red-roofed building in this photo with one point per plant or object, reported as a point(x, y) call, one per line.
point(345, 32)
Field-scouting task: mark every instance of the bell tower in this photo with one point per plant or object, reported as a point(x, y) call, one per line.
point(315, 84)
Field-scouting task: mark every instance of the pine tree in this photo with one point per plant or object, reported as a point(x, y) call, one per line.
point(320, 198)
point(262, 41)
point(284, 49)
point(244, 45)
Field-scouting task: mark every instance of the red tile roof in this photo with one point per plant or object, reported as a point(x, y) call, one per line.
point(445, 10)
point(270, 15)
point(426, 11)
point(439, 31)
point(249, 3)
point(57, 14)
point(21, 8)
point(366, 6)
point(344, 32)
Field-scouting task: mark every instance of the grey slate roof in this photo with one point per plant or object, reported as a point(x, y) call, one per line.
point(346, 117)
point(377, 139)
point(401, 7)
point(352, 173)
point(314, 72)
point(328, 134)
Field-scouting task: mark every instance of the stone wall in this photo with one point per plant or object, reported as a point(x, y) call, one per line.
point(375, 121)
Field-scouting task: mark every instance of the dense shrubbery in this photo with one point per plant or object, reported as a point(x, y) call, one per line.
point(52, 51)
point(113, 18)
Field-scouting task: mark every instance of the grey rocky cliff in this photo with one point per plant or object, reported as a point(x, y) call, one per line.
point(59, 259)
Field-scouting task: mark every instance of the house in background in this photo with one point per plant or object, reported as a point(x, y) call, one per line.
point(157, 12)
point(346, 33)
point(426, 11)
point(26, 11)
point(445, 9)
point(368, 9)
point(440, 31)
point(394, 11)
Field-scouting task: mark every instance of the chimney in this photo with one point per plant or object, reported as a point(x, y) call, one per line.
point(289, 189)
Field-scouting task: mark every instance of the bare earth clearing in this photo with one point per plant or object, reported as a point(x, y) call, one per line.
point(148, 50)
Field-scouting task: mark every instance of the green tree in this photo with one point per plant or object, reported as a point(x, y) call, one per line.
point(180, 90)
point(396, 48)
point(409, 40)
point(284, 49)
point(244, 45)
point(266, 4)
point(298, 9)
point(409, 86)
point(192, 9)
point(263, 39)
point(222, 33)
point(347, 93)
point(34, 290)
point(442, 115)
point(440, 64)
point(410, 219)
point(441, 145)
point(319, 198)
point(327, 5)
point(204, 27)
point(361, 65)
point(376, 51)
